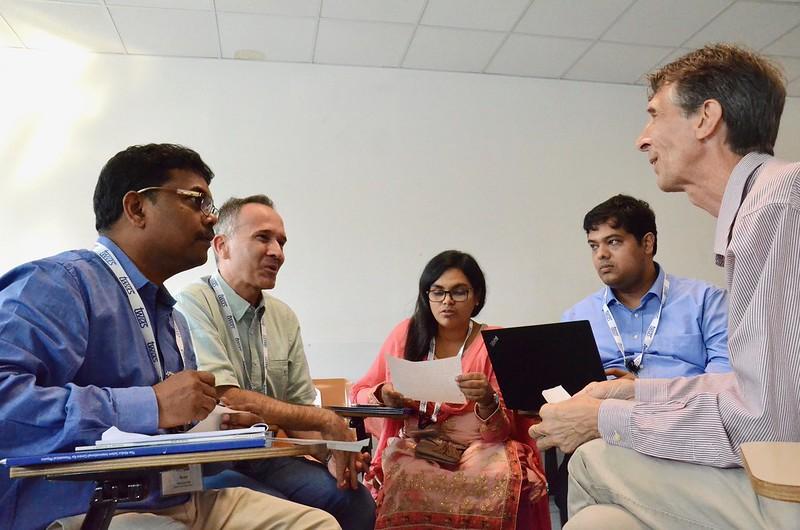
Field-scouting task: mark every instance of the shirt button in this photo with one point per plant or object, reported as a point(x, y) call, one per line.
point(636, 336)
point(617, 437)
point(636, 315)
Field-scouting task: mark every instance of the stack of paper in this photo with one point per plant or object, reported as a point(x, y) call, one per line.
point(114, 438)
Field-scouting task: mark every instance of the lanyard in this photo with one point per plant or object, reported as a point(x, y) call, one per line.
point(139, 311)
point(230, 322)
point(651, 330)
point(423, 405)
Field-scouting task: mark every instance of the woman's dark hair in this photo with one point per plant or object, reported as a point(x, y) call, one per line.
point(423, 325)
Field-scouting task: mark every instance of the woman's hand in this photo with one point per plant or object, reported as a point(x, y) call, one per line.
point(475, 387)
point(392, 398)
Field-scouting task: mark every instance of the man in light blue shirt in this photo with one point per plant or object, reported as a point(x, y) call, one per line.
point(687, 319)
point(89, 340)
point(646, 323)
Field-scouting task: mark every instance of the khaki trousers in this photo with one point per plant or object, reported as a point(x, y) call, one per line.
point(611, 487)
point(228, 509)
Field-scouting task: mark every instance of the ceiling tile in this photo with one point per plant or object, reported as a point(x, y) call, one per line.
point(168, 4)
point(167, 31)
point(7, 37)
point(537, 56)
point(793, 89)
point(290, 8)
point(498, 15)
point(664, 23)
point(616, 63)
point(383, 11)
point(791, 67)
point(270, 38)
point(571, 18)
point(452, 49)
point(361, 43)
point(788, 44)
point(51, 26)
point(673, 55)
point(751, 23)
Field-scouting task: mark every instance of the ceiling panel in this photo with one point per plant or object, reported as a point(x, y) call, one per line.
point(267, 37)
point(52, 26)
point(535, 56)
point(361, 43)
point(616, 63)
point(788, 45)
point(751, 23)
point(290, 8)
point(449, 49)
point(664, 23)
point(499, 15)
point(167, 31)
point(407, 11)
point(8, 39)
point(72, 1)
point(168, 4)
point(571, 18)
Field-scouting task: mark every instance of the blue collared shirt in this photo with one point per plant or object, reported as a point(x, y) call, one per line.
point(692, 336)
point(73, 363)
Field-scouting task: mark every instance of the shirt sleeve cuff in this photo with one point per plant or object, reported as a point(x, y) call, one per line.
point(652, 390)
point(136, 408)
point(614, 422)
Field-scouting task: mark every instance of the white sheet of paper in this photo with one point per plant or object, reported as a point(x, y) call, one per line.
point(427, 380)
point(555, 394)
point(213, 421)
point(333, 445)
point(116, 436)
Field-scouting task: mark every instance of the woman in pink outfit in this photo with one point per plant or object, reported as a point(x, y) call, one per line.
point(496, 483)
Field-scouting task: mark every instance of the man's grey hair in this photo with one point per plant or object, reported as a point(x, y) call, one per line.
point(229, 212)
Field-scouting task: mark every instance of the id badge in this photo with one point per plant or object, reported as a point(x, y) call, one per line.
point(182, 480)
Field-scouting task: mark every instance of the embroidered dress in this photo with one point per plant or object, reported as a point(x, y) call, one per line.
point(497, 484)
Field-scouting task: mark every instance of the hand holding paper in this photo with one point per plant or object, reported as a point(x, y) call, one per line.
point(427, 380)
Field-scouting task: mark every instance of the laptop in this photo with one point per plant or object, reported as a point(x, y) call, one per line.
point(529, 359)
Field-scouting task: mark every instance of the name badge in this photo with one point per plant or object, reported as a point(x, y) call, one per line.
point(182, 480)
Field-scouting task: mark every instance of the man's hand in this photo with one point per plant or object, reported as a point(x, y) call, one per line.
point(624, 388)
point(239, 420)
point(335, 428)
point(619, 373)
point(392, 398)
point(185, 397)
point(362, 461)
point(567, 424)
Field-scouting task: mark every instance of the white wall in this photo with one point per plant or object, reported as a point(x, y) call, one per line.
point(374, 171)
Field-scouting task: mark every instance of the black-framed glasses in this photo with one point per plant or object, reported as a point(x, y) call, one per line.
point(459, 294)
point(203, 202)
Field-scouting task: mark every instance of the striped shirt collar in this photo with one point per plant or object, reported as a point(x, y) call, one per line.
point(735, 192)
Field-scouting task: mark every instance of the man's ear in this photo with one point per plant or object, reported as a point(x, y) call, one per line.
point(709, 119)
point(220, 245)
point(133, 209)
point(649, 242)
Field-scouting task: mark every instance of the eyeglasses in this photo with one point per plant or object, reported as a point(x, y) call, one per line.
point(459, 294)
point(202, 201)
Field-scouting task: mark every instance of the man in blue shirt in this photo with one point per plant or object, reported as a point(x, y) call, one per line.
point(89, 340)
point(646, 323)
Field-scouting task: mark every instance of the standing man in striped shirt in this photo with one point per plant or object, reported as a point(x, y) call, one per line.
point(669, 455)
